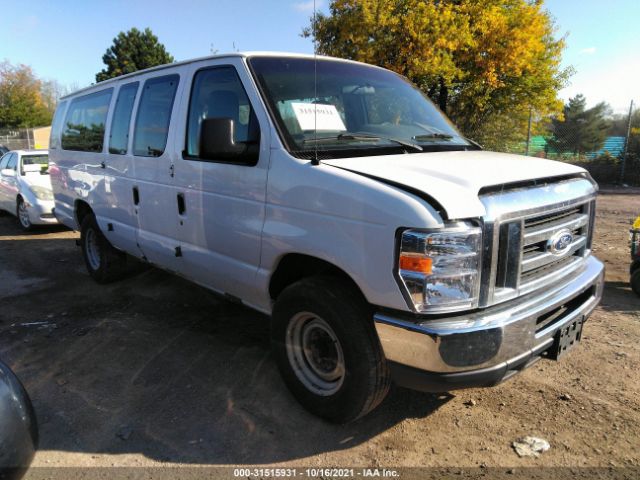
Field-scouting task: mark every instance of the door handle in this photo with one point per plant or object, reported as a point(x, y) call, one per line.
point(182, 207)
point(136, 196)
point(103, 165)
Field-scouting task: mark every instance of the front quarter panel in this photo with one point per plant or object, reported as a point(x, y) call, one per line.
point(341, 217)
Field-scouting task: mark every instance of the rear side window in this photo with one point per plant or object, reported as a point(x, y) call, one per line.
point(154, 115)
point(119, 134)
point(218, 93)
point(56, 126)
point(85, 122)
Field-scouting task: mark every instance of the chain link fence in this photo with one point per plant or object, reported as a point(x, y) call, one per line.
point(611, 152)
point(25, 138)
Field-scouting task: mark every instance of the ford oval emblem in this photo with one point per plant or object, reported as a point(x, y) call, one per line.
point(560, 242)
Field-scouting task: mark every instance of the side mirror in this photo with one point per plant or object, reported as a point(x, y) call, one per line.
point(8, 172)
point(216, 140)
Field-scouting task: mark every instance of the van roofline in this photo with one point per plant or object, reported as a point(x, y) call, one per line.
point(209, 57)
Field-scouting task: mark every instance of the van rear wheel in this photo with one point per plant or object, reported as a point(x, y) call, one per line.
point(327, 349)
point(104, 263)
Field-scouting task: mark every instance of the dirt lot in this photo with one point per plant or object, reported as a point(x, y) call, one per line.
point(154, 371)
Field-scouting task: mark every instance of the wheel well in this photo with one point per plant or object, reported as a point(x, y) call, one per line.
point(82, 210)
point(634, 266)
point(295, 266)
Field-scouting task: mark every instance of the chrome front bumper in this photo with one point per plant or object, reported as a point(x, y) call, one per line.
point(484, 347)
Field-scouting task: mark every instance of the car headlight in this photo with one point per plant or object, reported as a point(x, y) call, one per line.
point(42, 193)
point(440, 269)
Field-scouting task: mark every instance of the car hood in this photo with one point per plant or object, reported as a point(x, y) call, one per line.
point(454, 179)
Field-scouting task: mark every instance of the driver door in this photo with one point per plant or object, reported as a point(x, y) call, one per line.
point(219, 204)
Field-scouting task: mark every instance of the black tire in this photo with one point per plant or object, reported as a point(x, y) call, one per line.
point(635, 282)
point(24, 222)
point(366, 379)
point(105, 264)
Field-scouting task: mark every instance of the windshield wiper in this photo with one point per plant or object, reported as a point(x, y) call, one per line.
point(432, 136)
point(475, 144)
point(342, 136)
point(364, 137)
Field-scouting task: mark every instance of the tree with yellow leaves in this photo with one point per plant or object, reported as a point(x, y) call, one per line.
point(484, 62)
point(23, 102)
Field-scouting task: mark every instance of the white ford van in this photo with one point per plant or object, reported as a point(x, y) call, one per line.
point(336, 198)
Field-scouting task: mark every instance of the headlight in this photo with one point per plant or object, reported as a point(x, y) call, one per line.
point(42, 193)
point(440, 269)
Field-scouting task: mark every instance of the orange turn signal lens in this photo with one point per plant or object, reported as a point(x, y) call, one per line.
point(415, 264)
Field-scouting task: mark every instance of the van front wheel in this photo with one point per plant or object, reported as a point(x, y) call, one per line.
point(327, 349)
point(104, 263)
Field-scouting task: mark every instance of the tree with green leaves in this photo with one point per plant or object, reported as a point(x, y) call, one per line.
point(23, 99)
point(132, 51)
point(484, 62)
point(580, 129)
point(620, 123)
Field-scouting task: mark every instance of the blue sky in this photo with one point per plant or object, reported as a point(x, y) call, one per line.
point(65, 39)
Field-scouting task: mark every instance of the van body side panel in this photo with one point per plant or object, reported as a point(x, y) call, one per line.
point(97, 195)
point(62, 194)
point(343, 218)
point(63, 176)
point(154, 184)
point(220, 229)
point(119, 181)
point(71, 182)
point(77, 173)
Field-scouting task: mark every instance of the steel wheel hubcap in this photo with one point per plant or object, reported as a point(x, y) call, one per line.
point(315, 354)
point(92, 249)
point(23, 215)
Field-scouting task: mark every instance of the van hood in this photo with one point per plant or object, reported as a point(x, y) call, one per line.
point(454, 179)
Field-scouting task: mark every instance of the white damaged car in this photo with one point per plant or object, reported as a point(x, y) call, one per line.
point(25, 187)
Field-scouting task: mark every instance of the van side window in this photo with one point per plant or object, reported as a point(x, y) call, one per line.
point(56, 125)
point(217, 92)
point(154, 115)
point(84, 124)
point(119, 134)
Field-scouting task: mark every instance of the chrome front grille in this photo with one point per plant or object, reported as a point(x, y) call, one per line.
point(525, 226)
point(539, 231)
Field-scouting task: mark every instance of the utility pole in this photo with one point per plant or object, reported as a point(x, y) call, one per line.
point(529, 132)
point(626, 144)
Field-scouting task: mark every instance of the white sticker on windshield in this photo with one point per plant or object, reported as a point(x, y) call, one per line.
point(314, 115)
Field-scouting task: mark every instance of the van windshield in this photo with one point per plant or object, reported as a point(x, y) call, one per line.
point(349, 109)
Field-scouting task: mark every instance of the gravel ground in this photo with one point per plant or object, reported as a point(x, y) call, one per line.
point(153, 371)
